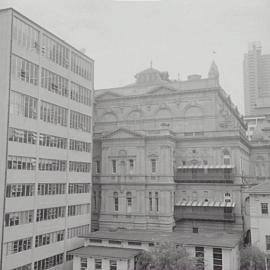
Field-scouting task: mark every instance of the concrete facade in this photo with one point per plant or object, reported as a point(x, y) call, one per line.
point(46, 145)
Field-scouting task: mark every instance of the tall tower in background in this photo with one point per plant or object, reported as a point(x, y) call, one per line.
point(256, 81)
point(46, 140)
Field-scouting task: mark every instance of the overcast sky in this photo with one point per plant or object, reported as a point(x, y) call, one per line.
point(179, 36)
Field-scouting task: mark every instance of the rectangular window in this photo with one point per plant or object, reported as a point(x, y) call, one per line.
point(49, 262)
point(20, 190)
point(21, 163)
point(78, 188)
point(134, 243)
point(150, 202)
point(157, 201)
point(55, 51)
point(79, 146)
point(51, 189)
point(98, 264)
point(131, 165)
point(21, 136)
point(153, 165)
point(69, 257)
point(18, 246)
point(53, 114)
point(50, 213)
point(49, 238)
point(80, 121)
point(195, 230)
point(83, 263)
point(113, 166)
point(199, 254)
point(97, 166)
point(24, 267)
point(24, 70)
point(19, 218)
point(267, 241)
point(23, 105)
point(75, 166)
point(54, 82)
point(114, 242)
point(79, 230)
point(217, 259)
point(264, 208)
point(80, 94)
point(96, 241)
point(52, 141)
point(81, 67)
point(52, 165)
point(77, 210)
point(113, 265)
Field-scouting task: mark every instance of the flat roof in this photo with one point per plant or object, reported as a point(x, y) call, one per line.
point(263, 188)
point(110, 252)
point(213, 239)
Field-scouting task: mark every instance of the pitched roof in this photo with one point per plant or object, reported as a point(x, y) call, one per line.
point(263, 188)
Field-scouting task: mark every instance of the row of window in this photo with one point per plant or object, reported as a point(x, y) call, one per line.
point(18, 245)
point(49, 238)
point(26, 106)
point(81, 66)
point(49, 262)
point(30, 137)
point(29, 163)
point(80, 94)
point(79, 230)
point(24, 267)
point(26, 217)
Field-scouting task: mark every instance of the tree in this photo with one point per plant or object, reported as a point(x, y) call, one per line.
point(252, 258)
point(166, 256)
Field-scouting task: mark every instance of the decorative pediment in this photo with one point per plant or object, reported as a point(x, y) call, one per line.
point(160, 90)
point(107, 95)
point(123, 133)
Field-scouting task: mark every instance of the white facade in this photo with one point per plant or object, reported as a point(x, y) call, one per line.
point(46, 124)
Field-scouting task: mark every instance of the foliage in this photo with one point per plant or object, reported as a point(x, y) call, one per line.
point(252, 258)
point(166, 256)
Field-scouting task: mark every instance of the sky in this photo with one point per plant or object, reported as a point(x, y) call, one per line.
point(178, 36)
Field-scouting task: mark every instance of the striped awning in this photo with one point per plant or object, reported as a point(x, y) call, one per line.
point(206, 167)
point(195, 203)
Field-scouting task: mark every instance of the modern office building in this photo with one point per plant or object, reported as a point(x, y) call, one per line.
point(46, 145)
point(256, 68)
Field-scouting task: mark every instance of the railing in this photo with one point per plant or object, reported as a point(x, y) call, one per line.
point(203, 177)
point(205, 216)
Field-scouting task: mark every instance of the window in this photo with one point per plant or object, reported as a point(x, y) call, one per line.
point(49, 262)
point(113, 166)
point(150, 202)
point(21, 163)
point(55, 51)
point(226, 157)
point(51, 189)
point(52, 165)
point(134, 243)
point(52, 141)
point(97, 166)
point(217, 259)
point(78, 188)
point(79, 146)
point(79, 230)
point(54, 82)
point(116, 201)
point(53, 114)
point(18, 246)
point(49, 238)
point(19, 218)
point(81, 67)
point(113, 265)
point(23, 105)
point(21, 136)
point(95, 199)
point(98, 264)
point(83, 263)
point(96, 241)
point(77, 210)
point(129, 202)
point(199, 254)
point(24, 70)
point(157, 201)
point(80, 94)
point(80, 121)
point(50, 213)
point(195, 230)
point(114, 242)
point(75, 166)
point(131, 165)
point(267, 242)
point(69, 257)
point(25, 35)
point(20, 190)
point(264, 208)
point(24, 267)
point(153, 165)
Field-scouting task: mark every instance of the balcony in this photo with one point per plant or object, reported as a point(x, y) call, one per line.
point(204, 174)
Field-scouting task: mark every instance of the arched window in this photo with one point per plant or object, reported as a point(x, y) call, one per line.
point(116, 201)
point(150, 202)
point(129, 201)
point(226, 157)
point(157, 201)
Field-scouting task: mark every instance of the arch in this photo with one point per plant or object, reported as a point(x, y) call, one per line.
point(109, 117)
point(163, 113)
point(193, 111)
point(134, 115)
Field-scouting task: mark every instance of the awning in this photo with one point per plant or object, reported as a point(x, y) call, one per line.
point(195, 203)
point(206, 167)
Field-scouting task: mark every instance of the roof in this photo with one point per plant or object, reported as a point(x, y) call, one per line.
point(111, 252)
point(263, 188)
point(194, 203)
point(225, 240)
